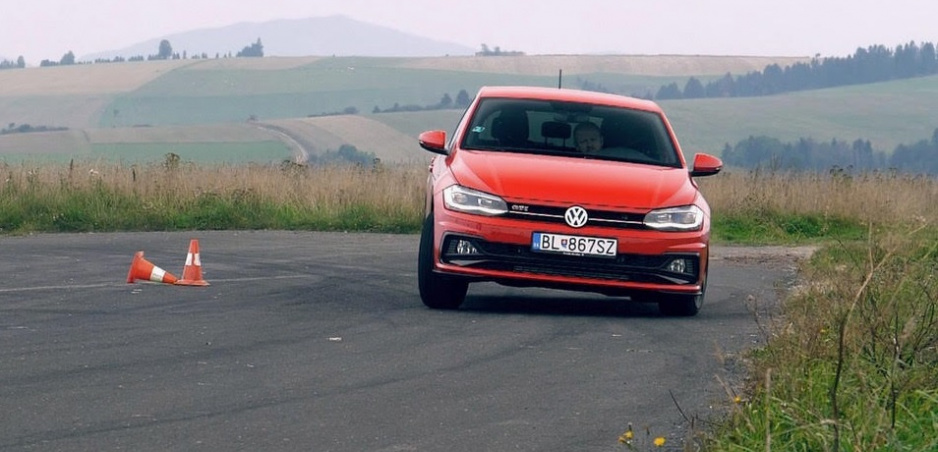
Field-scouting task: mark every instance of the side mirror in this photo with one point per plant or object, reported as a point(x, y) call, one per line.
point(433, 141)
point(706, 165)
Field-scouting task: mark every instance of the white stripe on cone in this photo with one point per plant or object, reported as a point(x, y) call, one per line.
point(157, 274)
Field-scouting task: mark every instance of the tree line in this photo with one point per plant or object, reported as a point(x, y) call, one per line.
point(807, 154)
point(164, 52)
point(875, 63)
point(26, 128)
point(9, 64)
point(497, 51)
point(446, 102)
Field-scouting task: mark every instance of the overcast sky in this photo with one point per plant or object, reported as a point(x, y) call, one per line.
point(47, 29)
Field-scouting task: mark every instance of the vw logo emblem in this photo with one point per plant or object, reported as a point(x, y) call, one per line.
point(576, 217)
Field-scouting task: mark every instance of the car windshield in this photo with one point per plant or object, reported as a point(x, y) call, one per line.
point(554, 128)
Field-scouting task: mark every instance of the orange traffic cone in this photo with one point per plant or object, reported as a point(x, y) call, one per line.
point(192, 273)
point(141, 268)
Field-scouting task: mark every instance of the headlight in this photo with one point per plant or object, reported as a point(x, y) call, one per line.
point(462, 199)
point(686, 218)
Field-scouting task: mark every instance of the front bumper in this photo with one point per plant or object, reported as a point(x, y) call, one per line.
point(499, 250)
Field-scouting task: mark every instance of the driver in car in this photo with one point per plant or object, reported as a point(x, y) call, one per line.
point(587, 137)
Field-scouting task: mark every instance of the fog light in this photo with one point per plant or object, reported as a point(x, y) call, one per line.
point(678, 266)
point(465, 247)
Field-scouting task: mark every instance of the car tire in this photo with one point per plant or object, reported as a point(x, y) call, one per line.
point(436, 291)
point(678, 305)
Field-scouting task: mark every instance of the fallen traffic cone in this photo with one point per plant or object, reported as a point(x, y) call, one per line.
point(192, 273)
point(141, 268)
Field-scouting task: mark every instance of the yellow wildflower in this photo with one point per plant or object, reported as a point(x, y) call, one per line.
point(626, 438)
point(659, 441)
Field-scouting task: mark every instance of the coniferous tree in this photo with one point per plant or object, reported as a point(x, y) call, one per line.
point(724, 87)
point(446, 101)
point(694, 89)
point(773, 79)
point(462, 99)
point(875, 63)
point(921, 157)
point(670, 91)
point(929, 61)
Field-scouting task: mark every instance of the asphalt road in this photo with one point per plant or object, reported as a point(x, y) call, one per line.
point(319, 342)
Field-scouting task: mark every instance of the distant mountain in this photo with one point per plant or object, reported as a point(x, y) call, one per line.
point(315, 36)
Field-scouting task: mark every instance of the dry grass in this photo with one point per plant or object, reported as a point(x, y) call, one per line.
point(290, 185)
point(181, 196)
point(878, 198)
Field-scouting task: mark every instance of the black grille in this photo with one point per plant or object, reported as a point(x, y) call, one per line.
point(624, 267)
point(605, 218)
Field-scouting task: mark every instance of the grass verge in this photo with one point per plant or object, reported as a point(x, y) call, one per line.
point(797, 208)
point(180, 196)
point(852, 362)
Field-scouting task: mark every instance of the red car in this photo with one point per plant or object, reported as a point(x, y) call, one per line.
point(565, 189)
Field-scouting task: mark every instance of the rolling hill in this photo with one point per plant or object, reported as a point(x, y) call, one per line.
point(327, 36)
point(226, 109)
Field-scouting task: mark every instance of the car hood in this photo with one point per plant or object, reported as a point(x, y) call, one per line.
point(565, 180)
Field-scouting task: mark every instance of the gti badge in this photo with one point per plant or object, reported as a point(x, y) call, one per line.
point(576, 217)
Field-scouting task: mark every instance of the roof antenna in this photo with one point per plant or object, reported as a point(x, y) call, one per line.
point(560, 80)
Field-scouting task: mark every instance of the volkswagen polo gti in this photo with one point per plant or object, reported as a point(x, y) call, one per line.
point(565, 189)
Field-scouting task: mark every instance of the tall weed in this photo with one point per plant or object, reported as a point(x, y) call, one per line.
point(176, 196)
point(852, 364)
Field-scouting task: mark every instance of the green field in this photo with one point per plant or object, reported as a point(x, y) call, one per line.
point(161, 97)
point(204, 153)
point(412, 123)
point(131, 153)
point(331, 85)
point(887, 114)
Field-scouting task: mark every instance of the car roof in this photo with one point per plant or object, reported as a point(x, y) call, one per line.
point(568, 95)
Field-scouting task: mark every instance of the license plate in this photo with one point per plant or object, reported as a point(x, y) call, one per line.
point(573, 245)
